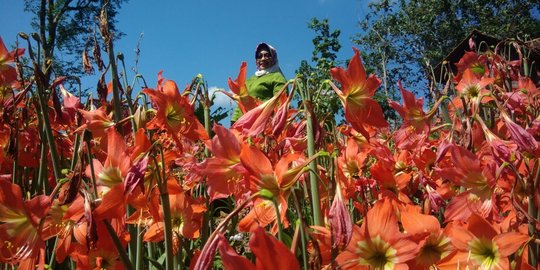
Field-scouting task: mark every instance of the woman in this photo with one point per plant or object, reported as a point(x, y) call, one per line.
point(267, 80)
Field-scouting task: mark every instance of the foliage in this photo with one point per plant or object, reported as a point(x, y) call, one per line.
point(65, 28)
point(326, 45)
point(404, 40)
point(116, 183)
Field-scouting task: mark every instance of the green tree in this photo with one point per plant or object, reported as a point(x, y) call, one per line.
point(406, 39)
point(64, 29)
point(326, 46)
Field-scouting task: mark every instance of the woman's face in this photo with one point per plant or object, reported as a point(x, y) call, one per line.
point(264, 59)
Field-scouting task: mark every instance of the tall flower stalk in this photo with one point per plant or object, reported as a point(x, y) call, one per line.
point(307, 99)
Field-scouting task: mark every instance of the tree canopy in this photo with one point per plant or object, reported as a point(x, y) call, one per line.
point(65, 28)
point(406, 39)
point(325, 48)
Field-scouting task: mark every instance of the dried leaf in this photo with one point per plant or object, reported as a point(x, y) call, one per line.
point(87, 64)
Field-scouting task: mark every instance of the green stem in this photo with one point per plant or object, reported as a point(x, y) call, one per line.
point(220, 228)
point(75, 156)
point(165, 203)
point(310, 130)
point(128, 96)
point(278, 219)
point(139, 261)
point(52, 261)
point(121, 251)
point(532, 211)
point(48, 131)
point(207, 218)
point(206, 110)
point(114, 71)
point(87, 137)
point(302, 231)
point(314, 186)
point(42, 180)
point(150, 252)
point(166, 208)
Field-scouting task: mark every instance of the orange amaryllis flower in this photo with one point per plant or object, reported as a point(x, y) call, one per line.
point(117, 178)
point(412, 110)
point(175, 113)
point(389, 178)
point(254, 121)
point(97, 122)
point(98, 253)
point(223, 179)
point(186, 213)
point(416, 123)
point(20, 239)
point(350, 164)
point(355, 95)
point(426, 230)
point(471, 60)
point(523, 97)
point(269, 254)
point(240, 91)
point(141, 146)
point(483, 246)
point(117, 164)
point(61, 222)
point(115, 200)
point(378, 244)
point(393, 173)
point(261, 175)
point(519, 135)
point(340, 221)
point(502, 151)
point(473, 89)
point(469, 171)
point(8, 74)
point(71, 102)
point(477, 176)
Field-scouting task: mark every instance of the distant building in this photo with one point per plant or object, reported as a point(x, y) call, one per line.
point(484, 42)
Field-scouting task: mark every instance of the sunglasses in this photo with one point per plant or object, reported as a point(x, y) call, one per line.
point(261, 55)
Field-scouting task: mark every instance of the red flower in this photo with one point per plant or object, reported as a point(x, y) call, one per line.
point(355, 95)
point(481, 245)
point(8, 74)
point(186, 213)
point(471, 60)
point(473, 89)
point(350, 164)
point(254, 121)
point(97, 122)
point(20, 240)
point(240, 92)
point(117, 178)
point(378, 244)
point(175, 113)
point(340, 221)
point(416, 123)
point(434, 244)
point(278, 181)
point(520, 136)
point(270, 254)
point(223, 178)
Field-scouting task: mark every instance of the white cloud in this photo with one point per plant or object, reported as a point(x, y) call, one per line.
point(220, 100)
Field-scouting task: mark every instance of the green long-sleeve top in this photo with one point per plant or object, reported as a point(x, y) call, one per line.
point(263, 88)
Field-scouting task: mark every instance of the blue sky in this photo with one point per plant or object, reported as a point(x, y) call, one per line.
point(211, 37)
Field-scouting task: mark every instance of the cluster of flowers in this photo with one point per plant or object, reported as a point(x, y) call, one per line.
point(459, 192)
